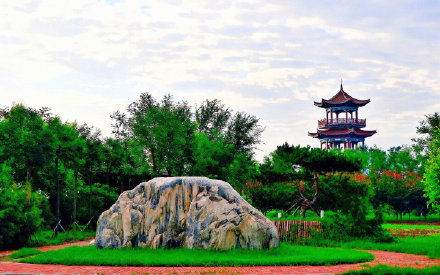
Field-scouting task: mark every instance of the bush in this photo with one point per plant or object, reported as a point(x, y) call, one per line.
point(19, 215)
point(339, 227)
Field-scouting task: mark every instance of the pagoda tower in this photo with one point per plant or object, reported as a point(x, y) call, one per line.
point(341, 128)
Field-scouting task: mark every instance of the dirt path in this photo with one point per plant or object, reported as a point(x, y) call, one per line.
point(383, 257)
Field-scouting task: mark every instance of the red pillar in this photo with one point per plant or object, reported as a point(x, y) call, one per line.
point(331, 120)
point(326, 116)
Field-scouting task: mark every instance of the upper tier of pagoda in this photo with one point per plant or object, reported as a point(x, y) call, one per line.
point(341, 99)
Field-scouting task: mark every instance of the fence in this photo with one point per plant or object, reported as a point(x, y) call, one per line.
point(292, 230)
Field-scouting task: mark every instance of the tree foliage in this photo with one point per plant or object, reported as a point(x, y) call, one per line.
point(20, 215)
point(431, 178)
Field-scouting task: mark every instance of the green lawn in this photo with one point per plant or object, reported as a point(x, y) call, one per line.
point(422, 245)
point(286, 254)
point(391, 270)
point(406, 217)
point(409, 226)
point(44, 237)
point(25, 252)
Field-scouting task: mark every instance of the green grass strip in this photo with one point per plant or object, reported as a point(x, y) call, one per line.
point(286, 254)
point(45, 237)
point(422, 245)
point(409, 226)
point(25, 252)
point(386, 269)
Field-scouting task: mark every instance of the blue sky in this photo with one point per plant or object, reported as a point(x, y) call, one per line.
point(85, 59)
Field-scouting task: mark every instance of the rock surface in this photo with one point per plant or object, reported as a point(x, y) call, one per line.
point(194, 212)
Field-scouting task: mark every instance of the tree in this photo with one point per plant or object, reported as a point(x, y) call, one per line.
point(164, 129)
point(25, 142)
point(275, 195)
point(212, 118)
point(212, 156)
point(315, 162)
point(427, 129)
point(20, 215)
point(431, 178)
point(241, 130)
point(69, 148)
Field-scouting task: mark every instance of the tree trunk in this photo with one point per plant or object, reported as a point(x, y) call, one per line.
point(122, 182)
point(303, 212)
point(75, 191)
point(153, 160)
point(28, 174)
point(90, 192)
point(58, 194)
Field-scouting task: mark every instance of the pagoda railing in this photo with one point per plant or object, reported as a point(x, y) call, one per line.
point(342, 121)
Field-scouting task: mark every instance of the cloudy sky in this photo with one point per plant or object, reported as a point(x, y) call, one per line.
point(85, 59)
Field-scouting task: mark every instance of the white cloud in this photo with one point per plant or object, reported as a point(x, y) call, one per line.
point(272, 59)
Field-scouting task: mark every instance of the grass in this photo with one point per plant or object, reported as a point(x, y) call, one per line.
point(422, 245)
point(406, 218)
point(286, 254)
point(44, 237)
point(25, 252)
point(386, 269)
point(273, 216)
point(409, 226)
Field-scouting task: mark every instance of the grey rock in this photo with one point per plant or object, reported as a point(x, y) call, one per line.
point(193, 212)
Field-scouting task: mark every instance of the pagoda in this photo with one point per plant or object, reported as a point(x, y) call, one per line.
point(341, 128)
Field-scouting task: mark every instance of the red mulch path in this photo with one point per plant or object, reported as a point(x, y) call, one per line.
point(383, 257)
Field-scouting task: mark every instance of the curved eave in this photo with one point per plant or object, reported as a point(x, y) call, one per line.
point(349, 102)
point(353, 133)
point(319, 104)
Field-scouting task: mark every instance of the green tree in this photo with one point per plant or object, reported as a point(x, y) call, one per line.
point(431, 178)
point(25, 142)
point(212, 156)
point(164, 129)
point(315, 162)
point(20, 215)
point(427, 129)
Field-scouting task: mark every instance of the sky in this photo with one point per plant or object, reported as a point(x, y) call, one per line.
point(271, 59)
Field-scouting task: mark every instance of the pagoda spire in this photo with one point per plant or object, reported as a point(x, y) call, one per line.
point(342, 89)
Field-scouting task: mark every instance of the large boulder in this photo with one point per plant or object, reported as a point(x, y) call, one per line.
point(194, 212)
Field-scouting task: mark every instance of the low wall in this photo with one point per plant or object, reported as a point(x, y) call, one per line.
point(292, 230)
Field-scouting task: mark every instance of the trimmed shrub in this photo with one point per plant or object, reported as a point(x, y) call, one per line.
point(19, 215)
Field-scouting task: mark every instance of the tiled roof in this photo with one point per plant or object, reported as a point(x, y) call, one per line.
point(342, 98)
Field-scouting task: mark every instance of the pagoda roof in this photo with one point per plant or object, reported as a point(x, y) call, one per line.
point(342, 133)
point(341, 98)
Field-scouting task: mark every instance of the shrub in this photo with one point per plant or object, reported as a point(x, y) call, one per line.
point(339, 227)
point(19, 215)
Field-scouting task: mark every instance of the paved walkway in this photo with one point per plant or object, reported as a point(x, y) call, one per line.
point(383, 257)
